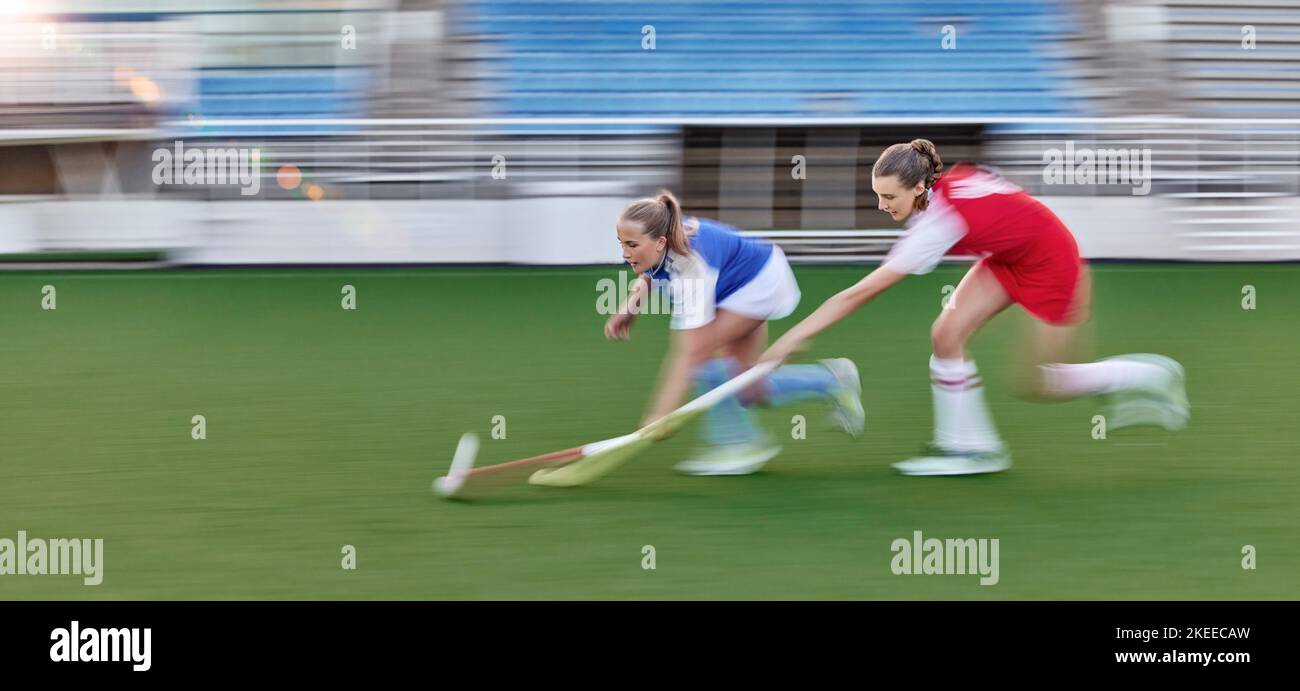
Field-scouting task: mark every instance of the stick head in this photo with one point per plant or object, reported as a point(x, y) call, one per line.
point(669, 424)
point(601, 461)
point(466, 451)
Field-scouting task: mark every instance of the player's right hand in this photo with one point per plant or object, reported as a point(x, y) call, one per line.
point(619, 326)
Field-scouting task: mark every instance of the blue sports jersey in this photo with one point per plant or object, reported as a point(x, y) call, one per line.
point(735, 260)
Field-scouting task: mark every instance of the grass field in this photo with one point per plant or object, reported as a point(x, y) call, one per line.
point(325, 427)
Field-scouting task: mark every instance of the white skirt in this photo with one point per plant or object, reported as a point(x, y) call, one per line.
point(771, 294)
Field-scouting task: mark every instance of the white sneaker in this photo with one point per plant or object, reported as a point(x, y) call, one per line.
point(847, 398)
point(731, 459)
point(1164, 404)
point(938, 461)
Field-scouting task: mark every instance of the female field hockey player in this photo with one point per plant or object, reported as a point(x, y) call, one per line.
point(723, 289)
point(1029, 258)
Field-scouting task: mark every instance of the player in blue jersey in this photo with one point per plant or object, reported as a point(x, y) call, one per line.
point(723, 290)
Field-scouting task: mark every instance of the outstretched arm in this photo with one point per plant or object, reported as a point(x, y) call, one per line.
point(839, 306)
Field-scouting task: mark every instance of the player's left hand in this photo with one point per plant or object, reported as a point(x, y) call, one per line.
point(619, 326)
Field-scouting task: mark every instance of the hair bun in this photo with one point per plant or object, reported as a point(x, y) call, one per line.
point(925, 147)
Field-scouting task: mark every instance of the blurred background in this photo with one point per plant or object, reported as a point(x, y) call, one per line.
point(438, 131)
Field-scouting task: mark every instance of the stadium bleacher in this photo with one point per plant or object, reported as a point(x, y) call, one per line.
point(1241, 61)
point(573, 58)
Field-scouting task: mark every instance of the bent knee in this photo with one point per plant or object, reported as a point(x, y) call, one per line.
point(946, 339)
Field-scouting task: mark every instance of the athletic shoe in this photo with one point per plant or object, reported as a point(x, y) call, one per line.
point(847, 410)
point(1163, 404)
point(939, 461)
point(731, 459)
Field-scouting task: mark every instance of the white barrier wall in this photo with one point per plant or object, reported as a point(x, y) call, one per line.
point(522, 231)
point(117, 224)
point(550, 230)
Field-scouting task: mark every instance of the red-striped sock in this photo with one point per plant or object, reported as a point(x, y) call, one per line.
point(961, 418)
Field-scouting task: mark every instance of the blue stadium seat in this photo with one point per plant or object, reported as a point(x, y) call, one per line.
point(573, 58)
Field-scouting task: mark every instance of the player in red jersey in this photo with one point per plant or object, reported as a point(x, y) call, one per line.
point(1029, 258)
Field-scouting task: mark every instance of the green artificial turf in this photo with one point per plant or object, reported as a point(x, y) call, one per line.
point(325, 427)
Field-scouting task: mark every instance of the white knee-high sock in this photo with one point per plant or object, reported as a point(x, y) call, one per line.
point(1104, 376)
point(961, 419)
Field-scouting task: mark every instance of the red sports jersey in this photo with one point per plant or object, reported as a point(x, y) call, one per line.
point(977, 212)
